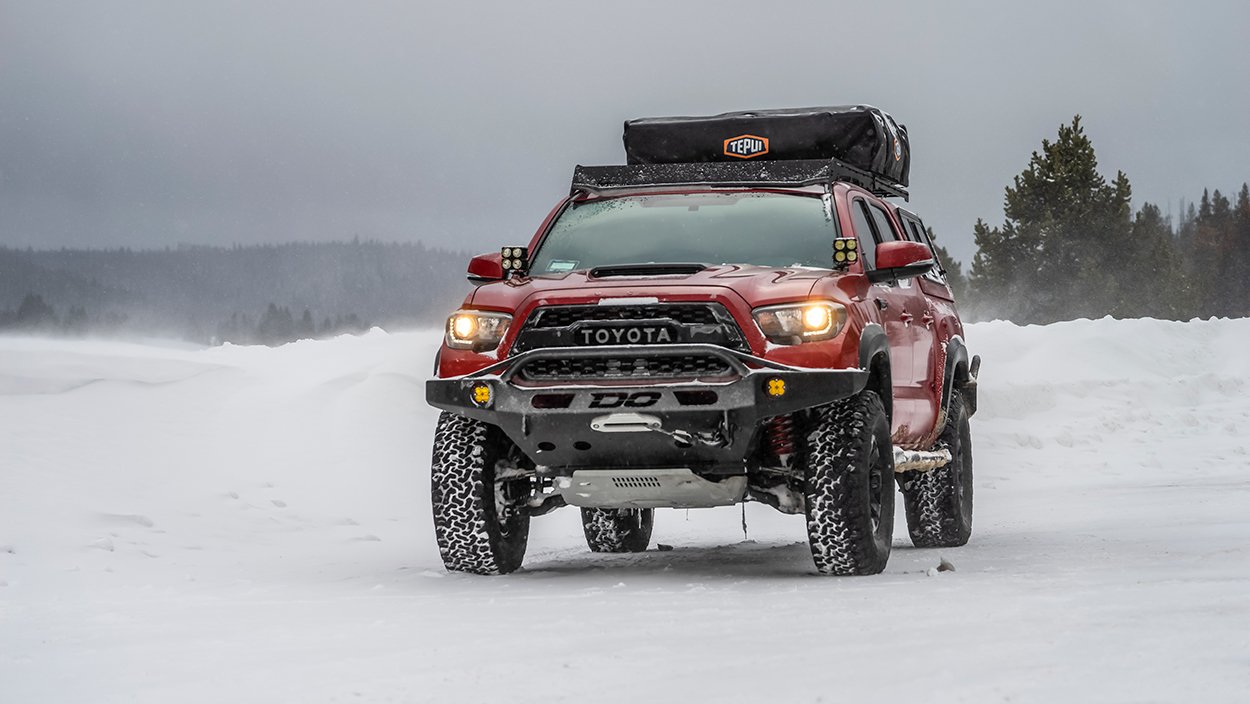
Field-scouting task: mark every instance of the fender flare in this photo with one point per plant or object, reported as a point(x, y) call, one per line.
point(872, 344)
point(957, 376)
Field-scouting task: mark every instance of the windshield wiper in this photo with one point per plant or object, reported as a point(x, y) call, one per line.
point(647, 269)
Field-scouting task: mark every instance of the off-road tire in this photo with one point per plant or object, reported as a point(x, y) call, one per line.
point(617, 530)
point(849, 486)
point(471, 537)
point(939, 502)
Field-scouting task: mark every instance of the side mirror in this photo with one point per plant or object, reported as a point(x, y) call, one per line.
point(485, 268)
point(900, 260)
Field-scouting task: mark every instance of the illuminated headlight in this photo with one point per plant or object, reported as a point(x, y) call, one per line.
point(793, 323)
point(476, 330)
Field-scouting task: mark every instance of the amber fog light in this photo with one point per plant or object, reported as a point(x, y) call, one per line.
point(481, 395)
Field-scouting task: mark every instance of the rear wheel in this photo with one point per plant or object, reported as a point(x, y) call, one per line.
point(617, 530)
point(849, 487)
point(939, 502)
point(478, 490)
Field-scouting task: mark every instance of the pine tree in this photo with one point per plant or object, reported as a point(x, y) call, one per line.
point(996, 278)
point(1240, 303)
point(33, 313)
point(276, 326)
point(1162, 290)
point(1066, 232)
point(1215, 259)
point(1221, 209)
point(305, 328)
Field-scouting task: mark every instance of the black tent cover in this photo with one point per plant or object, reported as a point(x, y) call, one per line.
point(860, 135)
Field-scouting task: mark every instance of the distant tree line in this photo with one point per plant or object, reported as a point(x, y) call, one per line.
point(249, 294)
point(277, 326)
point(34, 315)
point(1071, 246)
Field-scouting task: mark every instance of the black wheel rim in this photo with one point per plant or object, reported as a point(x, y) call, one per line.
point(506, 503)
point(876, 481)
point(963, 473)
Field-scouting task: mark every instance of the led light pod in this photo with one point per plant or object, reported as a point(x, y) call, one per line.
point(514, 259)
point(776, 387)
point(481, 395)
point(845, 251)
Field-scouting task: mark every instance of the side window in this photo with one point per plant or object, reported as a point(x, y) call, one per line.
point(884, 226)
point(914, 232)
point(918, 234)
point(864, 231)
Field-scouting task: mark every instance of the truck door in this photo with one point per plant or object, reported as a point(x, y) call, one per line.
point(939, 312)
point(914, 409)
point(892, 305)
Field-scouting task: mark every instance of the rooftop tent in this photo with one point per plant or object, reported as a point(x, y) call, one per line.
point(859, 135)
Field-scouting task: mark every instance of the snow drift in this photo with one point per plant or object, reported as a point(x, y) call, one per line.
point(252, 525)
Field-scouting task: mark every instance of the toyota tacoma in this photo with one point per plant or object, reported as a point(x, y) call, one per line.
point(738, 313)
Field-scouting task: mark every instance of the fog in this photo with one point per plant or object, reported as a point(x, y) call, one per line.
point(148, 124)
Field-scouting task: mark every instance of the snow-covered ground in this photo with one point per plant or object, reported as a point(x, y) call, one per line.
point(252, 525)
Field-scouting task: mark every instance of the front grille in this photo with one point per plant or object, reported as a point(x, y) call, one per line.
point(652, 367)
point(684, 313)
point(703, 323)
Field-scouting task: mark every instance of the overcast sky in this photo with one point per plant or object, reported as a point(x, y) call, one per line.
point(158, 123)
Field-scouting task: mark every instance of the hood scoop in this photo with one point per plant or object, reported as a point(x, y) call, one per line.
point(648, 269)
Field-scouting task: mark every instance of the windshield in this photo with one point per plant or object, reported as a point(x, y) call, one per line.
point(769, 229)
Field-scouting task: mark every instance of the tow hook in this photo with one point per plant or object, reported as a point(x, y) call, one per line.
point(686, 439)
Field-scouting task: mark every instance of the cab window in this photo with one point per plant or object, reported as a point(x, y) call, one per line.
point(914, 232)
point(868, 237)
point(917, 233)
point(884, 226)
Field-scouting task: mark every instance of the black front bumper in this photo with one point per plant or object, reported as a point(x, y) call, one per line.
point(611, 423)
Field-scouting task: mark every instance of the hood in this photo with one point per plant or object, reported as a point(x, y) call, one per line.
point(755, 285)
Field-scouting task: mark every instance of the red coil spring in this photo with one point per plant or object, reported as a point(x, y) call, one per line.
point(781, 435)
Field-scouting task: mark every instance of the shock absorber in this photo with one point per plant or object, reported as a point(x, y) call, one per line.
point(780, 431)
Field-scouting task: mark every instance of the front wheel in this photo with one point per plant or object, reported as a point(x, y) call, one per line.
point(617, 530)
point(849, 487)
point(477, 518)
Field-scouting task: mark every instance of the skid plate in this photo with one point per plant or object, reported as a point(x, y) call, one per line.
point(648, 488)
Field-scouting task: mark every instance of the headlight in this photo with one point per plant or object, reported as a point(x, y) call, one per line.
point(793, 323)
point(476, 330)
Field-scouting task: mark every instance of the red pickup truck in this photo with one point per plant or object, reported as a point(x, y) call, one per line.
point(736, 315)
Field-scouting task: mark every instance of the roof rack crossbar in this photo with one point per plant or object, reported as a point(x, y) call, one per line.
point(791, 173)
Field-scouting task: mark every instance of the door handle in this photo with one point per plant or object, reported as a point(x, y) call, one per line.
point(927, 319)
point(906, 317)
point(882, 303)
